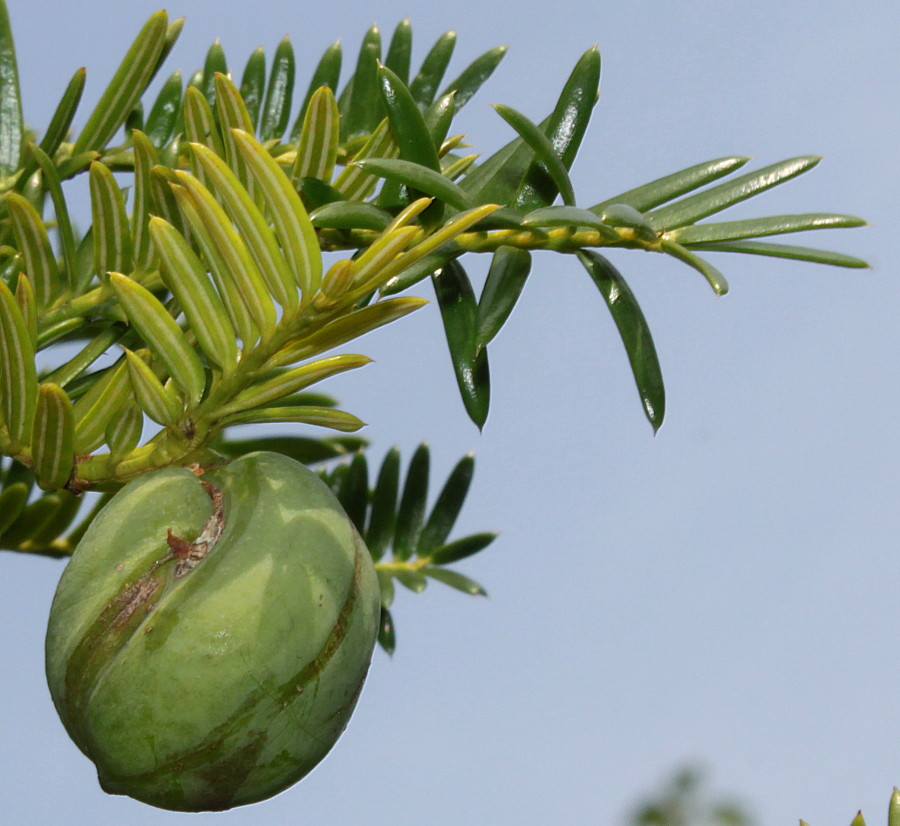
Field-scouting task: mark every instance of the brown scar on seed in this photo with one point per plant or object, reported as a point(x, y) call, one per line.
point(190, 554)
point(179, 547)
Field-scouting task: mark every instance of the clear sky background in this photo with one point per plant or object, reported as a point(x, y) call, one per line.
point(727, 592)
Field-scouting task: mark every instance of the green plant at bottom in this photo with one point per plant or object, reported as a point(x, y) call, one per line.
point(893, 813)
point(681, 802)
point(259, 231)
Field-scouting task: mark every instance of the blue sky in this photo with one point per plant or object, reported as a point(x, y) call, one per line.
point(722, 593)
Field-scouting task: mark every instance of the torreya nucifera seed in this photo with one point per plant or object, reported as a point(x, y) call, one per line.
point(211, 634)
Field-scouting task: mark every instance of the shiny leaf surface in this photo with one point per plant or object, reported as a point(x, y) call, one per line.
point(635, 334)
point(694, 207)
point(459, 313)
point(276, 108)
point(505, 280)
point(11, 123)
point(659, 191)
point(411, 511)
point(447, 507)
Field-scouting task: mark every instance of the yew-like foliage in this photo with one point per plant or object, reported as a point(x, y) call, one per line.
point(197, 299)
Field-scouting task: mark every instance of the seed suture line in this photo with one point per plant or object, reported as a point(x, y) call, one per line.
point(191, 553)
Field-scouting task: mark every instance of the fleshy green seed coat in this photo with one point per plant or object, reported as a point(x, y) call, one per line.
point(202, 679)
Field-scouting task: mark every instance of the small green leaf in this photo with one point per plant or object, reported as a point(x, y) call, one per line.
point(354, 491)
point(460, 166)
point(316, 193)
point(759, 227)
point(255, 230)
point(708, 271)
point(354, 183)
point(425, 267)
point(382, 516)
point(387, 637)
point(411, 511)
point(459, 313)
point(233, 114)
point(319, 416)
point(694, 207)
point(64, 224)
point(162, 335)
point(544, 151)
point(362, 109)
point(226, 252)
point(253, 84)
point(31, 520)
point(142, 204)
point(434, 242)
point(496, 179)
point(290, 381)
point(327, 73)
point(350, 215)
point(386, 583)
point(461, 548)
point(455, 580)
point(623, 215)
point(374, 262)
point(661, 190)
point(411, 579)
point(297, 235)
point(58, 129)
point(835, 259)
point(68, 506)
point(18, 377)
point(11, 125)
point(419, 178)
point(276, 110)
point(565, 130)
point(474, 75)
point(163, 200)
point(155, 400)
point(105, 397)
point(447, 507)
point(318, 143)
point(219, 268)
point(52, 437)
point(89, 353)
point(13, 499)
point(411, 133)
point(894, 808)
point(199, 122)
point(214, 64)
point(568, 216)
point(113, 249)
point(160, 123)
point(123, 431)
point(34, 244)
point(347, 327)
point(425, 84)
point(439, 117)
point(185, 276)
point(505, 280)
point(635, 333)
point(25, 298)
point(400, 50)
point(127, 85)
